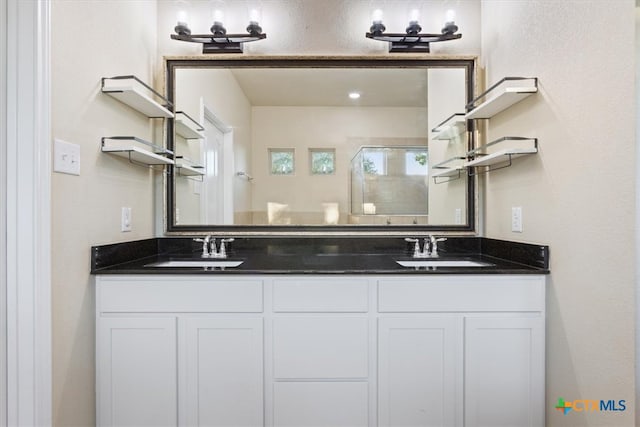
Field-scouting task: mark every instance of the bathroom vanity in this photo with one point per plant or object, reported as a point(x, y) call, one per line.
point(337, 334)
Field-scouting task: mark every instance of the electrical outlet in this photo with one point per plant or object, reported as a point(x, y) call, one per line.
point(66, 157)
point(516, 219)
point(125, 223)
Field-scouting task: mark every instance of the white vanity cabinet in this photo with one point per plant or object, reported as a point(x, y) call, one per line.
point(175, 350)
point(453, 339)
point(320, 350)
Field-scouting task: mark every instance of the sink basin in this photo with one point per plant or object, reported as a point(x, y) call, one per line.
point(443, 263)
point(221, 263)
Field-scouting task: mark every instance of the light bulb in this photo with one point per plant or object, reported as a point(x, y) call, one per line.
point(254, 15)
point(450, 26)
point(354, 95)
point(377, 27)
point(450, 16)
point(182, 17)
point(218, 16)
point(414, 16)
point(376, 16)
point(254, 27)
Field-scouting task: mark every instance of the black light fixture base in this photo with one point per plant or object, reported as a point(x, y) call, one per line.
point(228, 47)
point(228, 43)
point(417, 47)
point(418, 43)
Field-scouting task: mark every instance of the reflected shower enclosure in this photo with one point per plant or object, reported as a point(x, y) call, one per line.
point(390, 183)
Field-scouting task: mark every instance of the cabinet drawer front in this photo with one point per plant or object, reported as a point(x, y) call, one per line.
point(173, 295)
point(333, 294)
point(320, 347)
point(326, 404)
point(462, 293)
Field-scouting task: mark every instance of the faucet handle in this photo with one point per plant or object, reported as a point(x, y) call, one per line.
point(434, 245)
point(223, 249)
point(416, 247)
point(205, 246)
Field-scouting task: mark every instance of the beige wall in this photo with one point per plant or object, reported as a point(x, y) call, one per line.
point(577, 194)
point(220, 92)
point(344, 129)
point(90, 40)
point(447, 95)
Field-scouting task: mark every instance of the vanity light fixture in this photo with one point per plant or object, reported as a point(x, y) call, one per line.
point(412, 40)
point(354, 95)
point(219, 41)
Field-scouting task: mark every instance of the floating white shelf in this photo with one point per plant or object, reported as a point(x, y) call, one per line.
point(185, 170)
point(451, 128)
point(136, 150)
point(503, 156)
point(132, 91)
point(501, 96)
point(186, 167)
point(186, 127)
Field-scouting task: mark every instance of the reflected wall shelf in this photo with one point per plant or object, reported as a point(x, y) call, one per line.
point(451, 127)
point(502, 95)
point(186, 167)
point(187, 127)
point(502, 157)
point(136, 150)
point(138, 95)
point(451, 169)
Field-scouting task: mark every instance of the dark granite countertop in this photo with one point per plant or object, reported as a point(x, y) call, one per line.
point(320, 255)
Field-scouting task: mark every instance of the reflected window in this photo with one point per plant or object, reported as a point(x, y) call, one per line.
point(322, 161)
point(281, 161)
point(374, 162)
point(416, 162)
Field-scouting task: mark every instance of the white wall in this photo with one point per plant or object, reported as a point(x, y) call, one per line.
point(577, 194)
point(90, 40)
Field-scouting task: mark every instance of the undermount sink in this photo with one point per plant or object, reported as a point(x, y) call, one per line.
point(443, 263)
point(201, 263)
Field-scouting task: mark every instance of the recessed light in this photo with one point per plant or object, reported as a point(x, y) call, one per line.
point(354, 95)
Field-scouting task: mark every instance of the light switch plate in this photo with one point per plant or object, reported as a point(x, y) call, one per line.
point(66, 157)
point(516, 219)
point(125, 220)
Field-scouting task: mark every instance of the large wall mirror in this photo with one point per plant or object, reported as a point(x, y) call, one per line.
point(266, 144)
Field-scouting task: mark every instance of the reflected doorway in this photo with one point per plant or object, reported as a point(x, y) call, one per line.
point(216, 193)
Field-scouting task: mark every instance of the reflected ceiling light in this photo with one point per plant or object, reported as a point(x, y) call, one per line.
point(412, 40)
point(354, 95)
point(218, 41)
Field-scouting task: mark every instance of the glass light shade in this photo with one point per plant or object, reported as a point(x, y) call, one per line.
point(376, 16)
point(450, 16)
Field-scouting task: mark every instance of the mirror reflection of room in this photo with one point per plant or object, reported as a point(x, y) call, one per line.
point(318, 146)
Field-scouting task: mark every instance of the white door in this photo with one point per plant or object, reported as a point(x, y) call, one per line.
point(419, 371)
point(212, 193)
point(217, 151)
point(504, 372)
point(222, 372)
point(137, 372)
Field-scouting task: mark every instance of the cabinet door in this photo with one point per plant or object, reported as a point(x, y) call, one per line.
point(137, 370)
point(222, 362)
point(504, 372)
point(419, 371)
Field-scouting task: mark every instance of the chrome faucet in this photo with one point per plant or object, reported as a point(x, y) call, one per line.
point(210, 249)
point(429, 248)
